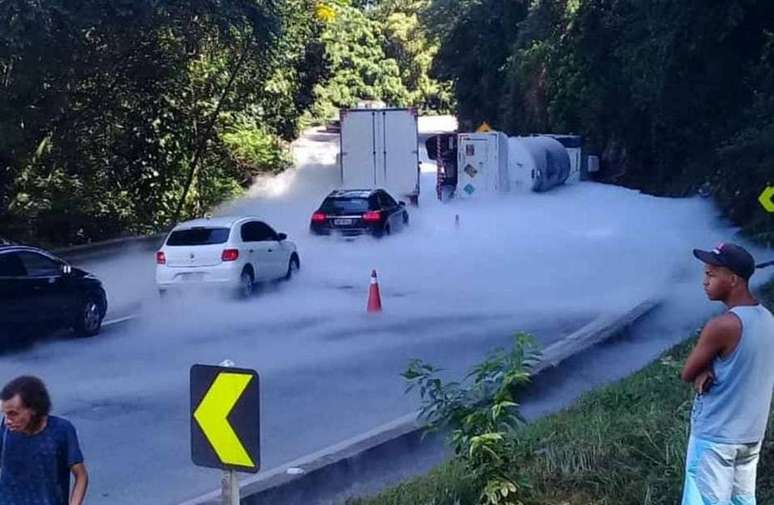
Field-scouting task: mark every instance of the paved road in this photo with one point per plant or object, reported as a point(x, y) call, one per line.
point(323, 381)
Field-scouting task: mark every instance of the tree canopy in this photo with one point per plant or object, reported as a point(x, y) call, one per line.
point(120, 117)
point(674, 95)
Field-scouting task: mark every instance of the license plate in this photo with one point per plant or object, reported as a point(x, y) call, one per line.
point(342, 222)
point(196, 276)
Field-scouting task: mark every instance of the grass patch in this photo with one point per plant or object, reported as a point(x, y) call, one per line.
point(623, 444)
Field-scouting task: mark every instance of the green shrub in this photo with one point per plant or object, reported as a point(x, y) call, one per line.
point(483, 417)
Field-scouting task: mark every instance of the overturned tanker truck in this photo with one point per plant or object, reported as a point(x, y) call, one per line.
point(471, 165)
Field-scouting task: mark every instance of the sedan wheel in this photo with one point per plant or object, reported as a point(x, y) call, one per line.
point(89, 319)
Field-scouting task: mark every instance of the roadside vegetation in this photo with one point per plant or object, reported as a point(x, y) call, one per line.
point(120, 118)
point(677, 97)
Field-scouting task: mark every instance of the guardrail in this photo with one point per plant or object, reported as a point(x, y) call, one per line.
point(100, 250)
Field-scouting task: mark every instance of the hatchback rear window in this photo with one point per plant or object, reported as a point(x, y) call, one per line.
point(198, 236)
point(345, 205)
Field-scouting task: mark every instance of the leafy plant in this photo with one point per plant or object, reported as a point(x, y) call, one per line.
point(482, 414)
point(254, 149)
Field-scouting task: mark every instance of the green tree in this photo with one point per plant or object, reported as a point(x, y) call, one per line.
point(656, 87)
point(113, 111)
point(408, 42)
point(744, 165)
point(475, 39)
point(357, 66)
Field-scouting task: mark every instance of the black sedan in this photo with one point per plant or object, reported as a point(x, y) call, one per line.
point(40, 292)
point(356, 212)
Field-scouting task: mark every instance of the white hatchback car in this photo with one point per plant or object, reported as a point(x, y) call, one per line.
point(232, 252)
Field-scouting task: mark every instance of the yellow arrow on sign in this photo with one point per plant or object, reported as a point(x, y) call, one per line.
point(767, 199)
point(212, 416)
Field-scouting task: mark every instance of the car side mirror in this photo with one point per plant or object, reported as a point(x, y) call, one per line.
point(402, 203)
point(281, 236)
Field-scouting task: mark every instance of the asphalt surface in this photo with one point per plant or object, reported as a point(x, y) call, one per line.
point(127, 392)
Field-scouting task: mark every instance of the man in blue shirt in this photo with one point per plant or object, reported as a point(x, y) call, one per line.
point(38, 452)
point(732, 369)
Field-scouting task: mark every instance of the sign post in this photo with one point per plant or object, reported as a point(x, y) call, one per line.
point(230, 488)
point(225, 423)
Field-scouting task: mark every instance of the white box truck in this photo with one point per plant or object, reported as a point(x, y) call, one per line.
point(379, 150)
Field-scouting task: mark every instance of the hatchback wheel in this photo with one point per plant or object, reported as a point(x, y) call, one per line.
point(294, 265)
point(88, 321)
point(246, 282)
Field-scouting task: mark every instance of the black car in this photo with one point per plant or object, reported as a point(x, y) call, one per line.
point(40, 292)
point(333, 126)
point(359, 211)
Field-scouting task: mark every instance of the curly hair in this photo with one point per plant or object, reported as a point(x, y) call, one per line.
point(33, 394)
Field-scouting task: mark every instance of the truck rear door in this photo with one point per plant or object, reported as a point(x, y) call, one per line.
point(358, 149)
point(401, 153)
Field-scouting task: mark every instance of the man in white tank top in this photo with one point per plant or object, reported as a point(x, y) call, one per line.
point(732, 370)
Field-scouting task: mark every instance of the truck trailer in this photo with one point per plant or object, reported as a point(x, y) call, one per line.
point(379, 150)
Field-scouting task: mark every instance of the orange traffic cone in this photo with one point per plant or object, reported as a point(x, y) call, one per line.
point(374, 298)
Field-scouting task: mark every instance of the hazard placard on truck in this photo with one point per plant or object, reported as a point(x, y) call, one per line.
point(379, 150)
